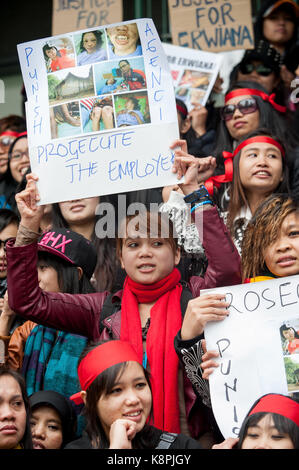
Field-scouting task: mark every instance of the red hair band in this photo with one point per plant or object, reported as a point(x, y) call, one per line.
point(181, 110)
point(254, 92)
point(227, 177)
point(279, 404)
point(101, 358)
point(13, 133)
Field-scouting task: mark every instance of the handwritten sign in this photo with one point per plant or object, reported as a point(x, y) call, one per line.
point(100, 121)
point(193, 72)
point(211, 25)
point(70, 15)
point(257, 353)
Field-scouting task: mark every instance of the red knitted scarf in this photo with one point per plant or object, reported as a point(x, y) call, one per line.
point(166, 320)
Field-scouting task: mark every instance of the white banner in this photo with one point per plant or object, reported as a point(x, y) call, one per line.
point(101, 111)
point(193, 73)
point(259, 351)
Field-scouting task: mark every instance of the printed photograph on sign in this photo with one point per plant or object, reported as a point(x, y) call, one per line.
point(123, 40)
point(291, 364)
point(195, 79)
point(117, 76)
point(70, 84)
point(97, 114)
point(132, 109)
point(90, 47)
point(289, 332)
point(65, 120)
point(59, 54)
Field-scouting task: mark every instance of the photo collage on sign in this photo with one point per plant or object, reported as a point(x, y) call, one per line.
point(96, 81)
point(192, 86)
point(289, 334)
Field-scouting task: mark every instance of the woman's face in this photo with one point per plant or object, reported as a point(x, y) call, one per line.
point(19, 160)
point(130, 399)
point(12, 413)
point(51, 53)
point(129, 105)
point(148, 260)
point(269, 82)
point(260, 168)
point(282, 257)
point(278, 28)
point(47, 277)
point(8, 232)
point(289, 334)
point(79, 211)
point(123, 38)
point(264, 435)
point(46, 428)
point(241, 124)
point(90, 42)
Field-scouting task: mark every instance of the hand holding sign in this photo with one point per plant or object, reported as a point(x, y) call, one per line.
point(195, 170)
point(207, 364)
point(203, 309)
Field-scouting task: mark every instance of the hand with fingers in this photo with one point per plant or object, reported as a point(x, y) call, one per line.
point(229, 443)
point(31, 214)
point(200, 311)
point(122, 431)
point(195, 170)
point(208, 363)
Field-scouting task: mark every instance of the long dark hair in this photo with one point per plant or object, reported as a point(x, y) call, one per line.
point(105, 271)
point(282, 424)
point(68, 278)
point(237, 194)
point(103, 384)
point(26, 441)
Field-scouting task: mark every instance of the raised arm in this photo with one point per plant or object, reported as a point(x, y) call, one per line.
point(77, 314)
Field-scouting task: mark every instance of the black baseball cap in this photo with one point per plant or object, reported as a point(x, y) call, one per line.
point(71, 247)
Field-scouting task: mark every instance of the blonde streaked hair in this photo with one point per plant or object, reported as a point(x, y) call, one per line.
point(263, 230)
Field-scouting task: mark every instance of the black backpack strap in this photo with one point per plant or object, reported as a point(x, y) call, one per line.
point(186, 295)
point(166, 439)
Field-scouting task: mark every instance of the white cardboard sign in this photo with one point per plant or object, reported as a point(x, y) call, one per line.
point(255, 357)
point(99, 123)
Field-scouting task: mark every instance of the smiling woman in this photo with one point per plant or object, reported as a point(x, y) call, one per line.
point(118, 401)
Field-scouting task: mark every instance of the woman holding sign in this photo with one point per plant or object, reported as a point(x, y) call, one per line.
point(150, 303)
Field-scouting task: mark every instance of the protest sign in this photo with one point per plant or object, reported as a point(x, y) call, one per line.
point(101, 122)
point(211, 25)
point(259, 352)
point(71, 15)
point(193, 73)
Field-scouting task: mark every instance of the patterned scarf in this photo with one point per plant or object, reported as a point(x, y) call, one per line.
point(50, 362)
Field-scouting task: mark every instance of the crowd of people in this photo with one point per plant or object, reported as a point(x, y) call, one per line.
point(99, 333)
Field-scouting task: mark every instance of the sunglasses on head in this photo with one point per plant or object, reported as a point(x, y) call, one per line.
point(245, 106)
point(260, 69)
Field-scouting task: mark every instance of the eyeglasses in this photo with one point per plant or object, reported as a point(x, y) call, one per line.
point(3, 243)
point(260, 69)
point(6, 141)
point(245, 106)
point(19, 155)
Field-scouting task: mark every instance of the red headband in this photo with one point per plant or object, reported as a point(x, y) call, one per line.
point(13, 133)
point(227, 177)
point(181, 110)
point(101, 358)
point(278, 404)
point(253, 91)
